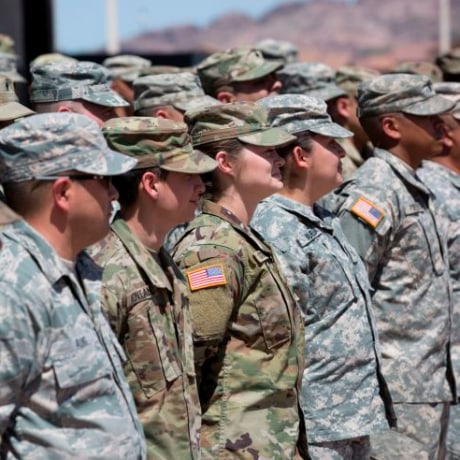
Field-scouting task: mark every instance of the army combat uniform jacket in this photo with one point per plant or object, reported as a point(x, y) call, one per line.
point(342, 386)
point(249, 340)
point(63, 394)
point(387, 214)
point(145, 298)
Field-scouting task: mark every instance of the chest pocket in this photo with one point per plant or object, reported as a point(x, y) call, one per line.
point(421, 245)
point(80, 364)
point(273, 304)
point(151, 342)
point(332, 284)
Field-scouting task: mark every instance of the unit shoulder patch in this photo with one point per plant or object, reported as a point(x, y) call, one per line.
point(367, 211)
point(204, 277)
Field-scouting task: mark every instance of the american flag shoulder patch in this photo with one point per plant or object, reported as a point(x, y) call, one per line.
point(367, 211)
point(203, 277)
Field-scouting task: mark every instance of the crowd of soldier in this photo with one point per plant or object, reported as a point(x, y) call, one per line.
point(185, 274)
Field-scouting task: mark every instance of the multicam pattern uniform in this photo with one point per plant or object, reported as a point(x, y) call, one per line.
point(144, 296)
point(445, 185)
point(406, 261)
point(62, 394)
point(340, 387)
point(249, 342)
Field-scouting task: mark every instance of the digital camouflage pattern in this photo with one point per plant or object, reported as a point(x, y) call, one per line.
point(420, 433)
point(310, 78)
point(63, 80)
point(406, 260)
point(126, 67)
point(10, 108)
point(8, 60)
point(50, 58)
point(281, 50)
point(355, 449)
point(348, 77)
point(407, 93)
point(297, 113)
point(389, 217)
point(234, 65)
point(248, 341)
point(63, 393)
point(182, 90)
point(245, 121)
point(156, 142)
point(427, 68)
point(451, 91)
point(145, 298)
point(445, 185)
point(50, 143)
point(342, 387)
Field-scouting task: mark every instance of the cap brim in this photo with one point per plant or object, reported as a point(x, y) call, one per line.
point(331, 129)
point(106, 99)
point(111, 163)
point(271, 137)
point(13, 110)
point(434, 105)
point(196, 103)
point(196, 163)
point(327, 93)
point(266, 68)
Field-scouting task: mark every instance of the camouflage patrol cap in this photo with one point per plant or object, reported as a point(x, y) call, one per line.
point(450, 62)
point(158, 69)
point(297, 113)
point(50, 58)
point(245, 121)
point(8, 67)
point(51, 143)
point(310, 78)
point(156, 142)
point(126, 67)
point(281, 50)
point(62, 81)
point(181, 90)
point(234, 65)
point(451, 91)
point(10, 108)
point(429, 69)
point(348, 77)
point(406, 93)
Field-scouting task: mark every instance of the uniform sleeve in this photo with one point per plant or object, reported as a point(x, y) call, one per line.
point(19, 348)
point(214, 279)
point(366, 223)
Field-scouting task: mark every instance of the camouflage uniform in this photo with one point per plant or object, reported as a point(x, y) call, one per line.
point(342, 387)
point(248, 333)
point(63, 393)
point(126, 67)
point(445, 185)
point(388, 215)
point(145, 298)
point(331, 284)
point(278, 50)
point(249, 361)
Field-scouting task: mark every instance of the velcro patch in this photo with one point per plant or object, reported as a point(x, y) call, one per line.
point(367, 211)
point(200, 278)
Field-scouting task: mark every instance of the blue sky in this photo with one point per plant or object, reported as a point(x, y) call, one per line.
point(80, 24)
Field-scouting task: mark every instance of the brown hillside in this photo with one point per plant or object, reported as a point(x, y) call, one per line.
point(376, 33)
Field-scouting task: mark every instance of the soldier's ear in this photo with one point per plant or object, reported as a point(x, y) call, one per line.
point(60, 191)
point(225, 163)
point(391, 126)
point(225, 97)
point(149, 184)
point(301, 158)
